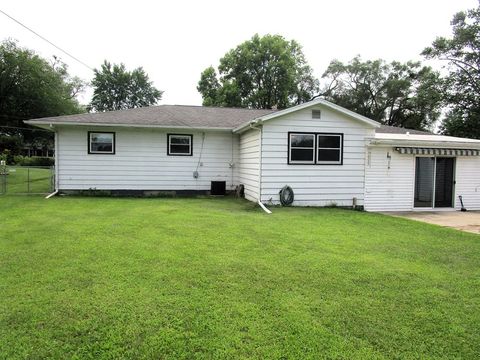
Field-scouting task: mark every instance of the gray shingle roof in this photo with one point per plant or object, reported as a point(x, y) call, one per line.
point(385, 129)
point(165, 115)
point(183, 116)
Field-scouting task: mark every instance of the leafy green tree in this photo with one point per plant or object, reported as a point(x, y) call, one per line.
point(261, 73)
point(461, 52)
point(398, 94)
point(32, 87)
point(115, 88)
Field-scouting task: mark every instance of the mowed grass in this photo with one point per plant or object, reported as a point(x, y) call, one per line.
point(106, 278)
point(28, 180)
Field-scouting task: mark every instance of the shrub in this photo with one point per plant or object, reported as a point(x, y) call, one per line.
point(7, 156)
point(33, 161)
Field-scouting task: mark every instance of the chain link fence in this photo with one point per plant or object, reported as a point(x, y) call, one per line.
point(24, 180)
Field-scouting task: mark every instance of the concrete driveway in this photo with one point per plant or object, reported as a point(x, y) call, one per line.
point(466, 221)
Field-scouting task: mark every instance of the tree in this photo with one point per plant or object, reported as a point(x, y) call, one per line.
point(261, 73)
point(115, 88)
point(461, 92)
point(31, 87)
point(398, 94)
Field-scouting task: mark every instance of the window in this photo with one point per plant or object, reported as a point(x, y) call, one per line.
point(329, 148)
point(101, 142)
point(315, 148)
point(301, 148)
point(180, 145)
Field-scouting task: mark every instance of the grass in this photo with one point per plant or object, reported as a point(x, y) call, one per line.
point(28, 180)
point(105, 278)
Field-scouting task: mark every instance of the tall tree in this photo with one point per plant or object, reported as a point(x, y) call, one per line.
point(115, 88)
point(461, 52)
point(261, 73)
point(398, 94)
point(32, 87)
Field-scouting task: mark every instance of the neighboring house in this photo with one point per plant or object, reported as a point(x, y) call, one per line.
point(327, 154)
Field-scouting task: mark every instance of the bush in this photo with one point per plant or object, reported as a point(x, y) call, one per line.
point(33, 161)
point(7, 156)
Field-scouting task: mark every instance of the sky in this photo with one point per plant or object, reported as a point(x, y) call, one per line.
point(174, 41)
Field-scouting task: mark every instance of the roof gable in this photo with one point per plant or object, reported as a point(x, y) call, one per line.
point(308, 104)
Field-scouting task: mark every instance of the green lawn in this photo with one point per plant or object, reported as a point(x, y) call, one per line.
point(106, 278)
point(28, 180)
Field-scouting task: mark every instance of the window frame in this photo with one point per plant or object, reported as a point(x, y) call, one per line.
point(340, 148)
point(315, 148)
point(289, 149)
point(169, 153)
point(89, 143)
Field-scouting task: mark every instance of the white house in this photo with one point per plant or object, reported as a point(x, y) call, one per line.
point(325, 153)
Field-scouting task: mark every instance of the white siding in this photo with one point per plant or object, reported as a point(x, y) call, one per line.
point(249, 163)
point(389, 189)
point(314, 185)
point(393, 189)
point(141, 161)
point(468, 182)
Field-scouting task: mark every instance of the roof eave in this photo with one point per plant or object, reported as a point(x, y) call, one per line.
point(50, 124)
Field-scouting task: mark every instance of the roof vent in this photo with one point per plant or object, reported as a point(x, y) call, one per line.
point(316, 114)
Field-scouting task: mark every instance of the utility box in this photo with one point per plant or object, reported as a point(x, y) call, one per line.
point(218, 188)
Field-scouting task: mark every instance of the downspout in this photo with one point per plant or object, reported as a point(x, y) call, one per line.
point(55, 144)
point(57, 155)
point(260, 155)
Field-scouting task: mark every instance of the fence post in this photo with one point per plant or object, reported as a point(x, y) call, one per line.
point(28, 180)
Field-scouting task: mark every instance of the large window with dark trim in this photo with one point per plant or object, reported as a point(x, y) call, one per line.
point(179, 144)
point(315, 148)
point(301, 148)
point(329, 148)
point(101, 142)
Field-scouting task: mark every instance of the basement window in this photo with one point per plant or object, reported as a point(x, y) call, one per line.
point(179, 145)
point(101, 143)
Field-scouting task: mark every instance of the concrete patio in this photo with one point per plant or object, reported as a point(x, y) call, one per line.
point(465, 221)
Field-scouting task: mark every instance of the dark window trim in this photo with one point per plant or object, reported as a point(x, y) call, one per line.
point(168, 144)
point(315, 148)
point(101, 153)
point(341, 150)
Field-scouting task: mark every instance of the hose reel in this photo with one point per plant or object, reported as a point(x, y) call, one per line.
point(286, 196)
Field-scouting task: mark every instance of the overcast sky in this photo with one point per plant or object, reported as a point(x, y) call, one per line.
point(175, 41)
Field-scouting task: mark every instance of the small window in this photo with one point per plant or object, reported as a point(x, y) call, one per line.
point(179, 145)
point(316, 114)
point(302, 148)
point(101, 143)
point(329, 148)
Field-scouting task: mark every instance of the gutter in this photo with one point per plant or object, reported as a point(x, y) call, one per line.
point(52, 123)
point(248, 125)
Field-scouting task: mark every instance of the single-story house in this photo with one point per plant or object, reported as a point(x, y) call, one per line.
point(327, 154)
